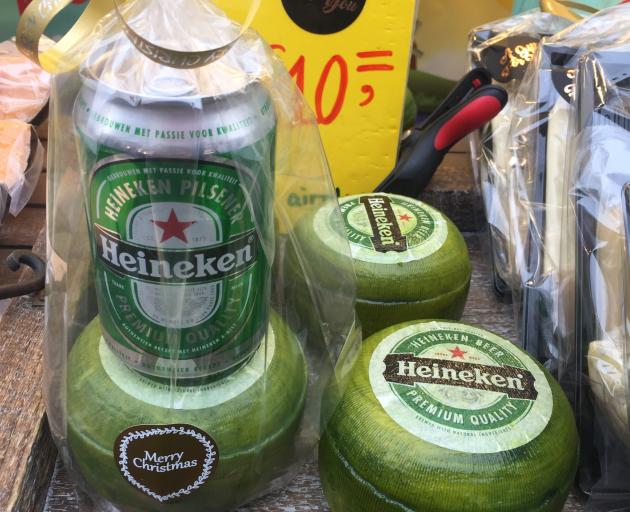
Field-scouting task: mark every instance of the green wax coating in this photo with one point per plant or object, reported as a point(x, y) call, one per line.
point(254, 431)
point(369, 463)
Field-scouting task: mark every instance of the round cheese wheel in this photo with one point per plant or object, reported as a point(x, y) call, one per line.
point(411, 262)
point(248, 420)
point(442, 416)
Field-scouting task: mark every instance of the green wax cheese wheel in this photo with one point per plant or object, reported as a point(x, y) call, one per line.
point(252, 416)
point(440, 416)
point(411, 261)
point(375, 315)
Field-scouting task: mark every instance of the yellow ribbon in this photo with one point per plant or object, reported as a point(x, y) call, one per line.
point(565, 8)
point(60, 58)
point(36, 17)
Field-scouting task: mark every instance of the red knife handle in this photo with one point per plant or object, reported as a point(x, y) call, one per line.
point(427, 148)
point(472, 116)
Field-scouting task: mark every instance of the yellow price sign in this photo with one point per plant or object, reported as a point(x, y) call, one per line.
point(350, 58)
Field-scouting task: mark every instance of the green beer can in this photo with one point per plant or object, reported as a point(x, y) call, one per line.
point(179, 200)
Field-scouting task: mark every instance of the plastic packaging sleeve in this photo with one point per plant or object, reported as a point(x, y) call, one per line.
point(541, 137)
point(126, 131)
point(24, 87)
point(593, 289)
point(21, 166)
point(491, 148)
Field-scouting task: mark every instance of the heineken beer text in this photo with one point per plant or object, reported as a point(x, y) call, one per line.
point(179, 204)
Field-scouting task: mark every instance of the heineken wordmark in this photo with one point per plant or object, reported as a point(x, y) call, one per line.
point(460, 387)
point(179, 206)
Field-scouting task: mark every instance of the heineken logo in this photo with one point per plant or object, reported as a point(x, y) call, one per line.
point(176, 266)
point(177, 250)
point(173, 227)
point(411, 370)
point(166, 462)
point(387, 235)
point(324, 16)
point(460, 387)
point(383, 228)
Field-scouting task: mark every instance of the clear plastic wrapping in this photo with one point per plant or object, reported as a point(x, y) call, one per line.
point(24, 92)
point(593, 298)
point(181, 373)
point(21, 163)
point(506, 48)
point(537, 184)
point(24, 86)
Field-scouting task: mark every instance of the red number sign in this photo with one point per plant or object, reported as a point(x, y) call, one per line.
point(335, 74)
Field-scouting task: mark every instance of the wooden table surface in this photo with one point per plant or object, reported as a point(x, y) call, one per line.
point(26, 454)
point(32, 477)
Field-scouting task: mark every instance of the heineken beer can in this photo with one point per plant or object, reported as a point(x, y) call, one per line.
point(179, 203)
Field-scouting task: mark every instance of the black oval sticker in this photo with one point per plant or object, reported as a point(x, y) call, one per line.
point(323, 16)
point(166, 462)
point(508, 60)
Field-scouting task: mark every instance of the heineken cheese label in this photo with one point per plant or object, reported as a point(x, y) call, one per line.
point(383, 228)
point(460, 387)
point(166, 462)
point(212, 394)
point(180, 271)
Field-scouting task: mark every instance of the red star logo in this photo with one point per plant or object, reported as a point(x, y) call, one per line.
point(404, 217)
point(457, 352)
point(173, 227)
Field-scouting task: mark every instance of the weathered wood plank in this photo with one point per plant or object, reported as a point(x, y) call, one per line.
point(26, 452)
point(38, 198)
point(455, 174)
point(463, 146)
point(482, 307)
point(42, 131)
point(63, 495)
point(40, 463)
point(21, 231)
point(304, 493)
point(6, 275)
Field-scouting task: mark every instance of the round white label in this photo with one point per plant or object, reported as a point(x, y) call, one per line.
point(382, 228)
point(189, 397)
point(460, 387)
